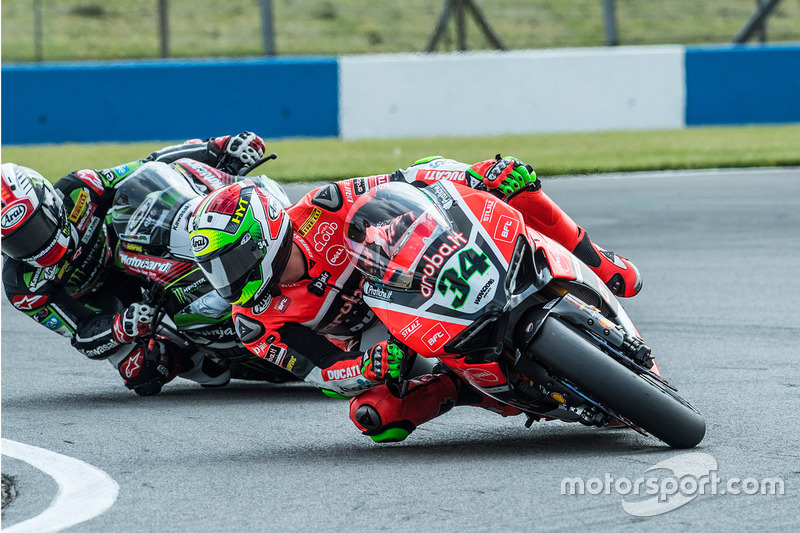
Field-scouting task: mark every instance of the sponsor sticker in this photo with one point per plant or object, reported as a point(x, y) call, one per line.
point(488, 209)
point(324, 234)
point(28, 302)
point(336, 255)
point(410, 328)
point(309, 223)
point(506, 229)
point(199, 243)
point(436, 337)
point(13, 216)
point(92, 179)
point(79, 207)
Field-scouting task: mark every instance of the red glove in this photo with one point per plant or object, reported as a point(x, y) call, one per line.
point(381, 361)
point(132, 322)
point(507, 174)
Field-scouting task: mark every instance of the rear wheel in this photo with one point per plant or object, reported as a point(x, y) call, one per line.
point(645, 402)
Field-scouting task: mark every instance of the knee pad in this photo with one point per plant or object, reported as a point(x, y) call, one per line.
point(383, 416)
point(206, 371)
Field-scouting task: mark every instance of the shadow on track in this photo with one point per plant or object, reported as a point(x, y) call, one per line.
point(237, 392)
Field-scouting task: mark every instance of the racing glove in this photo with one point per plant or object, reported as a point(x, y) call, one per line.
point(132, 322)
point(242, 150)
point(381, 361)
point(506, 175)
point(148, 367)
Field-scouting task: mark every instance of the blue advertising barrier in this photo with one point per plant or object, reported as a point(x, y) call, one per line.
point(149, 100)
point(742, 85)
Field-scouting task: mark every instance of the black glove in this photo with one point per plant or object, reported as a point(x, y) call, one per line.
point(148, 367)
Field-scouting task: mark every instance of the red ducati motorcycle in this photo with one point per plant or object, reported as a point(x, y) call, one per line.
point(455, 274)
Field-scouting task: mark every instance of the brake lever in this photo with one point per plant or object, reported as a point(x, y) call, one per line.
point(244, 171)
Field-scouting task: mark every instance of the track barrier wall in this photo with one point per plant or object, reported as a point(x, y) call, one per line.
point(395, 96)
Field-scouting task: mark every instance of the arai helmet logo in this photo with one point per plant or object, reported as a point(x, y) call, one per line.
point(199, 243)
point(13, 216)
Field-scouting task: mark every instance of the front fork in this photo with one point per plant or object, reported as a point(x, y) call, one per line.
point(626, 348)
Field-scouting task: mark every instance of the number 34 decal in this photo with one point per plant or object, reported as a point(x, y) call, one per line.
point(470, 262)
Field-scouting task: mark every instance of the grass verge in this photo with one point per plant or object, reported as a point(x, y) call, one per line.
point(574, 153)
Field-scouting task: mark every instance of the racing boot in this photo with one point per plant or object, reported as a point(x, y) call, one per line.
point(544, 215)
point(617, 272)
point(384, 417)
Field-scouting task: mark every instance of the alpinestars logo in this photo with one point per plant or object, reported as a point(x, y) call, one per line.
point(131, 367)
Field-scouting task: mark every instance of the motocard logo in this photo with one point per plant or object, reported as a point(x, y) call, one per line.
point(14, 215)
point(92, 179)
point(205, 173)
point(506, 230)
point(323, 236)
point(436, 337)
point(435, 261)
point(488, 209)
point(410, 328)
point(199, 243)
point(144, 265)
point(28, 302)
point(438, 175)
point(336, 255)
point(482, 376)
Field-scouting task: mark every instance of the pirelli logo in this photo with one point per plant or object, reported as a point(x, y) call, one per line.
point(80, 207)
point(310, 221)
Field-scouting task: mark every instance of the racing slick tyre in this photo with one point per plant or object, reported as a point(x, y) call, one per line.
point(648, 404)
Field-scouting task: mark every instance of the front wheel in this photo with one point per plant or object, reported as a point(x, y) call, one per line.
point(645, 402)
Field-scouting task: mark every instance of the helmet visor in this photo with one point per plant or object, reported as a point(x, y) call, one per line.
point(36, 236)
point(229, 271)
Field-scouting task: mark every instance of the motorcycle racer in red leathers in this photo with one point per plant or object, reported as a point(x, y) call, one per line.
point(58, 265)
point(297, 299)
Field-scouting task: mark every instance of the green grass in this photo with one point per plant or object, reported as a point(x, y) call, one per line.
point(577, 153)
point(116, 29)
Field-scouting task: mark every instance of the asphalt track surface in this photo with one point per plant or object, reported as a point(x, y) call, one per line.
point(720, 255)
